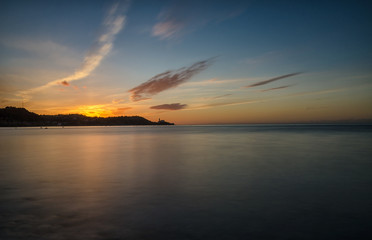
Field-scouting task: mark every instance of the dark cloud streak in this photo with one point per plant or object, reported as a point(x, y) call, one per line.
point(166, 80)
point(65, 83)
point(272, 80)
point(276, 88)
point(173, 106)
point(222, 96)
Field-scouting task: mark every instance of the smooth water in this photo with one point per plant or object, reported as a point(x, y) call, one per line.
point(186, 182)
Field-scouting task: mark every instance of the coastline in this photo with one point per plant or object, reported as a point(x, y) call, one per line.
point(21, 117)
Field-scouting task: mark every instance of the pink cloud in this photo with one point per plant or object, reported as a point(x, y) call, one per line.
point(167, 29)
point(182, 17)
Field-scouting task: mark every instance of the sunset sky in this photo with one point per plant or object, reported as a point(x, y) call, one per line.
point(189, 62)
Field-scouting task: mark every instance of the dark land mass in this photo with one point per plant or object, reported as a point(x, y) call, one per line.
point(21, 117)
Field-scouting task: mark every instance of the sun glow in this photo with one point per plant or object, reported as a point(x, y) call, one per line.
point(94, 111)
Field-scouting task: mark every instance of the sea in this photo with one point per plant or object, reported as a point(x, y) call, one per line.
point(186, 182)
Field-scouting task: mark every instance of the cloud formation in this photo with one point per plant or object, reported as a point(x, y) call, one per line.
point(226, 103)
point(171, 21)
point(186, 16)
point(214, 81)
point(167, 80)
point(276, 88)
point(167, 29)
point(112, 25)
point(222, 96)
point(65, 83)
point(272, 80)
point(173, 106)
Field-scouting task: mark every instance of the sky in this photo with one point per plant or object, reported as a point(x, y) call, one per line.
point(189, 62)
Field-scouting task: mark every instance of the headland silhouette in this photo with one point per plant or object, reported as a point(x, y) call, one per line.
point(21, 117)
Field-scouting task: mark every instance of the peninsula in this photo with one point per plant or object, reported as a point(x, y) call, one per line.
point(21, 117)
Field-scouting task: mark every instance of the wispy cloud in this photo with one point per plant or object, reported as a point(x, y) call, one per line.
point(167, 80)
point(167, 29)
point(295, 95)
point(172, 106)
point(225, 103)
point(214, 81)
point(186, 16)
point(276, 88)
point(171, 22)
point(222, 96)
point(321, 92)
point(272, 80)
point(112, 25)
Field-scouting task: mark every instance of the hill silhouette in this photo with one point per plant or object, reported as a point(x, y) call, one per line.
point(21, 117)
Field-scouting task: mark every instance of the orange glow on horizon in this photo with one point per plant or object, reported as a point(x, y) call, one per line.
point(102, 110)
point(93, 111)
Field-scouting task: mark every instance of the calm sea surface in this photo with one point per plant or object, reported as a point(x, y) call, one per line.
point(186, 182)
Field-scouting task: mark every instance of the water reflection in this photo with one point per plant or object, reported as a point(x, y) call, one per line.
point(184, 183)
